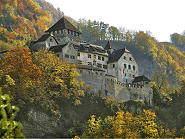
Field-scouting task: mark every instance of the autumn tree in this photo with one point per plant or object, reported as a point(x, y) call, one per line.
point(59, 79)
point(17, 67)
point(126, 125)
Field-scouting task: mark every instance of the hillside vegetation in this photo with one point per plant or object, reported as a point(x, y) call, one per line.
point(53, 103)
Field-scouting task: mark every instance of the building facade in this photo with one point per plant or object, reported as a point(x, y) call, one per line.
point(113, 72)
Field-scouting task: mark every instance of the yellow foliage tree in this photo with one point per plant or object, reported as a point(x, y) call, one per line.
point(125, 125)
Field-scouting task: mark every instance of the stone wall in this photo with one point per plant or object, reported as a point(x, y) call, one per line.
point(124, 92)
point(93, 79)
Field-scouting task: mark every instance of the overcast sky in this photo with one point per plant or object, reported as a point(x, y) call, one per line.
point(160, 17)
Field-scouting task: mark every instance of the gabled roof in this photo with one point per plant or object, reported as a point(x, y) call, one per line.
point(63, 23)
point(140, 78)
point(44, 38)
point(109, 46)
point(116, 55)
point(57, 48)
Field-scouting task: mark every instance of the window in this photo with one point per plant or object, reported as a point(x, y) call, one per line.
point(133, 76)
point(96, 73)
point(113, 65)
point(90, 63)
point(146, 82)
point(130, 58)
point(89, 55)
point(105, 66)
point(79, 62)
point(95, 56)
point(72, 57)
point(134, 68)
point(58, 55)
point(125, 74)
point(102, 58)
point(124, 57)
point(81, 71)
point(66, 56)
point(99, 65)
point(78, 54)
point(51, 40)
point(125, 66)
point(129, 67)
point(101, 74)
point(99, 58)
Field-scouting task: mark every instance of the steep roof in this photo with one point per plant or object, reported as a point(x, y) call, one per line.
point(57, 48)
point(63, 23)
point(116, 55)
point(140, 78)
point(109, 46)
point(44, 38)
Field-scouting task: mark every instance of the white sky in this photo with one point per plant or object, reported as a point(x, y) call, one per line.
point(161, 17)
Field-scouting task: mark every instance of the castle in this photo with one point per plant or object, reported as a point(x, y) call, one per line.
point(103, 69)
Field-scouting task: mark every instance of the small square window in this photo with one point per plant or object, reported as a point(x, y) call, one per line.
point(72, 57)
point(89, 55)
point(66, 56)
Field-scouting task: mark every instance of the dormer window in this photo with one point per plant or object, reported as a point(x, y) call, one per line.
point(51, 40)
point(130, 58)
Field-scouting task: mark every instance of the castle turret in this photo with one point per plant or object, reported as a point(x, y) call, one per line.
point(109, 47)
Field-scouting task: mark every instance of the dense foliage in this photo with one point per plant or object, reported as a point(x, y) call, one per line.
point(126, 125)
point(8, 127)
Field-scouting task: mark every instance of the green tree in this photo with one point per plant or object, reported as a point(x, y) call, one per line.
point(8, 127)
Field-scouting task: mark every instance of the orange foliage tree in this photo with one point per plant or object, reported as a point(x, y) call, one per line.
point(18, 64)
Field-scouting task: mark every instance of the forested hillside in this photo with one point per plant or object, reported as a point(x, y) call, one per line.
point(24, 20)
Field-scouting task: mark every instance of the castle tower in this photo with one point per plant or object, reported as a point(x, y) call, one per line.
point(64, 31)
point(109, 47)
